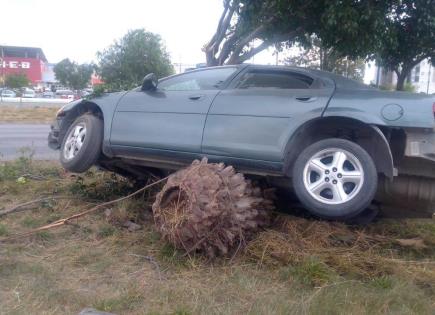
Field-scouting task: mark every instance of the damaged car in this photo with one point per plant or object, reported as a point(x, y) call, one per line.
point(335, 141)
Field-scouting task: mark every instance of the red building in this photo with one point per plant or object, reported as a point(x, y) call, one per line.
point(27, 60)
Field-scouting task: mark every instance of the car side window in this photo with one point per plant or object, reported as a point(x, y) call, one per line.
point(274, 79)
point(209, 79)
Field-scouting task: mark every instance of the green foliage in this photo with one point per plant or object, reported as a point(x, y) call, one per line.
point(328, 59)
point(72, 74)
point(398, 34)
point(16, 168)
point(408, 87)
point(348, 26)
point(124, 64)
point(99, 90)
point(406, 38)
point(100, 186)
point(16, 81)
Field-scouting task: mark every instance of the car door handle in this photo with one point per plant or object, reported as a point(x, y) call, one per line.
point(196, 97)
point(306, 99)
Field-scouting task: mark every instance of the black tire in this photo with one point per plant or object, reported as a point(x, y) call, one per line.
point(360, 199)
point(90, 150)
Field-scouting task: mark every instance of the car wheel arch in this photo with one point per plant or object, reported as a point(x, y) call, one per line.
point(79, 110)
point(369, 137)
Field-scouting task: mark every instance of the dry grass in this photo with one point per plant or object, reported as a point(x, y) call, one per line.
point(297, 266)
point(11, 114)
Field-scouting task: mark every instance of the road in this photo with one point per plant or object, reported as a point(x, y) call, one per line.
point(14, 137)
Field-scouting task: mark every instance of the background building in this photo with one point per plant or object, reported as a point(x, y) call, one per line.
point(30, 61)
point(422, 78)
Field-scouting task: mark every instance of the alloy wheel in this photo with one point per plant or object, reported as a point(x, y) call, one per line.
point(74, 141)
point(333, 176)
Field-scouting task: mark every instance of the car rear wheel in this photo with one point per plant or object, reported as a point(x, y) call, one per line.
point(81, 146)
point(335, 179)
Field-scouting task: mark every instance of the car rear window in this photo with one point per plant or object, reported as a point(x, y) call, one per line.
point(274, 79)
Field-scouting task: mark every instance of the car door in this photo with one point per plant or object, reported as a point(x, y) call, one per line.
point(169, 118)
point(254, 117)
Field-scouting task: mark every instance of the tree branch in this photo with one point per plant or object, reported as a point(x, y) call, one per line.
point(212, 47)
point(236, 59)
point(24, 206)
point(247, 39)
point(67, 220)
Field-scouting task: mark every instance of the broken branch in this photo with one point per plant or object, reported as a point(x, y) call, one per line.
point(81, 214)
point(22, 206)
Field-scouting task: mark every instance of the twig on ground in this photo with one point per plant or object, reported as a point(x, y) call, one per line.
point(152, 261)
point(81, 214)
point(33, 176)
point(22, 206)
point(411, 262)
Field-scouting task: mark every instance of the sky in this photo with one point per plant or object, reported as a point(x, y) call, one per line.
point(77, 29)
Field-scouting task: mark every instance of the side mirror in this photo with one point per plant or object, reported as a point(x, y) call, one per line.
point(150, 82)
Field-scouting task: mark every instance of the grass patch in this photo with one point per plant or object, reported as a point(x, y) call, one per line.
point(3, 230)
point(126, 301)
point(11, 114)
point(106, 231)
point(310, 272)
point(382, 282)
point(297, 266)
point(43, 235)
point(32, 222)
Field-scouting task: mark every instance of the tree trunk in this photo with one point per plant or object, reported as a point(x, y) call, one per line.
point(405, 72)
point(401, 77)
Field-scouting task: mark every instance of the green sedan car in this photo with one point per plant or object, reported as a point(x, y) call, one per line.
point(329, 138)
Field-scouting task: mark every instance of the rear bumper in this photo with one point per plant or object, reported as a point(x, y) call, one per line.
point(420, 144)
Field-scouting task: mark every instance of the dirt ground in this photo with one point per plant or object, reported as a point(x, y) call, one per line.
point(297, 266)
point(12, 114)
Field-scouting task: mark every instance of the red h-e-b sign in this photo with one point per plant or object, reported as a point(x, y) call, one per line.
point(32, 68)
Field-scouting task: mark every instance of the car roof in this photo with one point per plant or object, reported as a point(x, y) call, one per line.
point(340, 81)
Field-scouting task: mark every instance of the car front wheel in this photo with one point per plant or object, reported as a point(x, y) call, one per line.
point(81, 146)
point(335, 179)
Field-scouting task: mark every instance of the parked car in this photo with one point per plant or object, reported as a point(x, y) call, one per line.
point(331, 138)
point(28, 93)
point(8, 93)
point(48, 94)
point(65, 94)
point(84, 93)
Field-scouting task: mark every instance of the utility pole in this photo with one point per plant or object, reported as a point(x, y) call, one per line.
point(1, 65)
point(378, 73)
point(428, 78)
